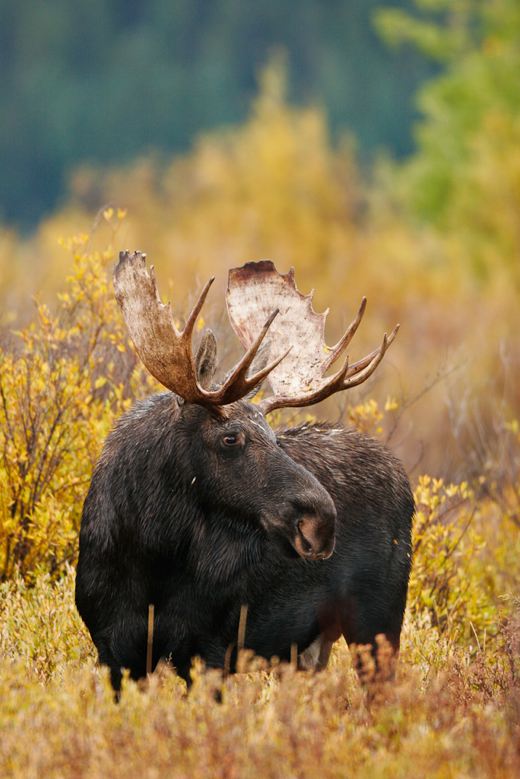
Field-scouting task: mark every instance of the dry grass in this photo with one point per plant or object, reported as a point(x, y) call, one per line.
point(58, 718)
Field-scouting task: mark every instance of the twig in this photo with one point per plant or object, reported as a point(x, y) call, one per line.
point(242, 627)
point(149, 644)
point(294, 656)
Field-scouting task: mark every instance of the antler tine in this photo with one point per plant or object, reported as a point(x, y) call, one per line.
point(190, 322)
point(259, 376)
point(238, 383)
point(246, 383)
point(358, 366)
point(343, 379)
point(331, 385)
point(346, 338)
point(364, 374)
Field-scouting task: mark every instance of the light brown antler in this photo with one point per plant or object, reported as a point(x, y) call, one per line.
point(167, 352)
point(298, 333)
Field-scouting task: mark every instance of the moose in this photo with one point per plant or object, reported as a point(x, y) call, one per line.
point(199, 507)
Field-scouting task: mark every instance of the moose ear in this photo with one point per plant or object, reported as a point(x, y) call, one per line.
point(206, 360)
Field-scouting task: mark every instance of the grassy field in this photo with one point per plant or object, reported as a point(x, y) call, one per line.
point(450, 714)
point(454, 710)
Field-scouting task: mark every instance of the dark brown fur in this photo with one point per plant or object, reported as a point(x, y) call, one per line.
point(175, 518)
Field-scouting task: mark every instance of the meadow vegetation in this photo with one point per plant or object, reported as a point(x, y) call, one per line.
point(446, 401)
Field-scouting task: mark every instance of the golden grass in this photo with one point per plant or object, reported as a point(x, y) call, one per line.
point(455, 718)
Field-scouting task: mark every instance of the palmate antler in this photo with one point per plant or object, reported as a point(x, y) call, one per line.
point(166, 352)
point(260, 301)
point(299, 333)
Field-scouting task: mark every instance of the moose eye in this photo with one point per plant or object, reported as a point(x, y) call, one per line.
point(232, 439)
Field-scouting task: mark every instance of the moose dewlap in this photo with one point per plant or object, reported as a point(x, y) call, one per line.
point(198, 507)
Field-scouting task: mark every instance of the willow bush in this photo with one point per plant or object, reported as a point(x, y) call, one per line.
point(63, 380)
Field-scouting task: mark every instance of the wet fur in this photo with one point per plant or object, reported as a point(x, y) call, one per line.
point(154, 530)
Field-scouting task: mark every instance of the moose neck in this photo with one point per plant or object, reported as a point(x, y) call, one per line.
point(224, 550)
point(181, 525)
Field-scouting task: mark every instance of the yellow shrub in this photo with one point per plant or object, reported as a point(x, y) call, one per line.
point(61, 385)
point(452, 584)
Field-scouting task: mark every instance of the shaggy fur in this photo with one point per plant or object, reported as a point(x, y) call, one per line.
point(177, 518)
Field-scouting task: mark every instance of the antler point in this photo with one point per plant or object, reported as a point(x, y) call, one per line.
point(272, 317)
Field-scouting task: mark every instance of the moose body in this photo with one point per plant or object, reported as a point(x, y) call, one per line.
point(161, 527)
point(198, 507)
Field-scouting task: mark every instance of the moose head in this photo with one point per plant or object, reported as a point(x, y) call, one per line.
point(231, 452)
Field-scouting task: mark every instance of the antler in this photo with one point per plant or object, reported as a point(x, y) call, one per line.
point(300, 380)
point(167, 352)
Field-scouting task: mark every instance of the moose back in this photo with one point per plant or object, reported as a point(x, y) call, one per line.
point(198, 507)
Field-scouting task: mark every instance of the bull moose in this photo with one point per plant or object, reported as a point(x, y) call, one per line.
point(199, 507)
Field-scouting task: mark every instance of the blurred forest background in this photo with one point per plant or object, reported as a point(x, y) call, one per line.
point(373, 145)
point(100, 82)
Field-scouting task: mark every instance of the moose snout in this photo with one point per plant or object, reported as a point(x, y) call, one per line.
point(314, 524)
point(301, 511)
point(315, 537)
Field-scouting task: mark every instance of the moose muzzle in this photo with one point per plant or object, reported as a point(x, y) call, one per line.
point(308, 525)
point(297, 507)
point(315, 537)
point(308, 522)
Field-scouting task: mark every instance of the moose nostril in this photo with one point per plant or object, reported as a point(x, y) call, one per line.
point(314, 539)
point(306, 544)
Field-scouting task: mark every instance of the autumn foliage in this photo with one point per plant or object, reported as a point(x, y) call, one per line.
point(446, 401)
